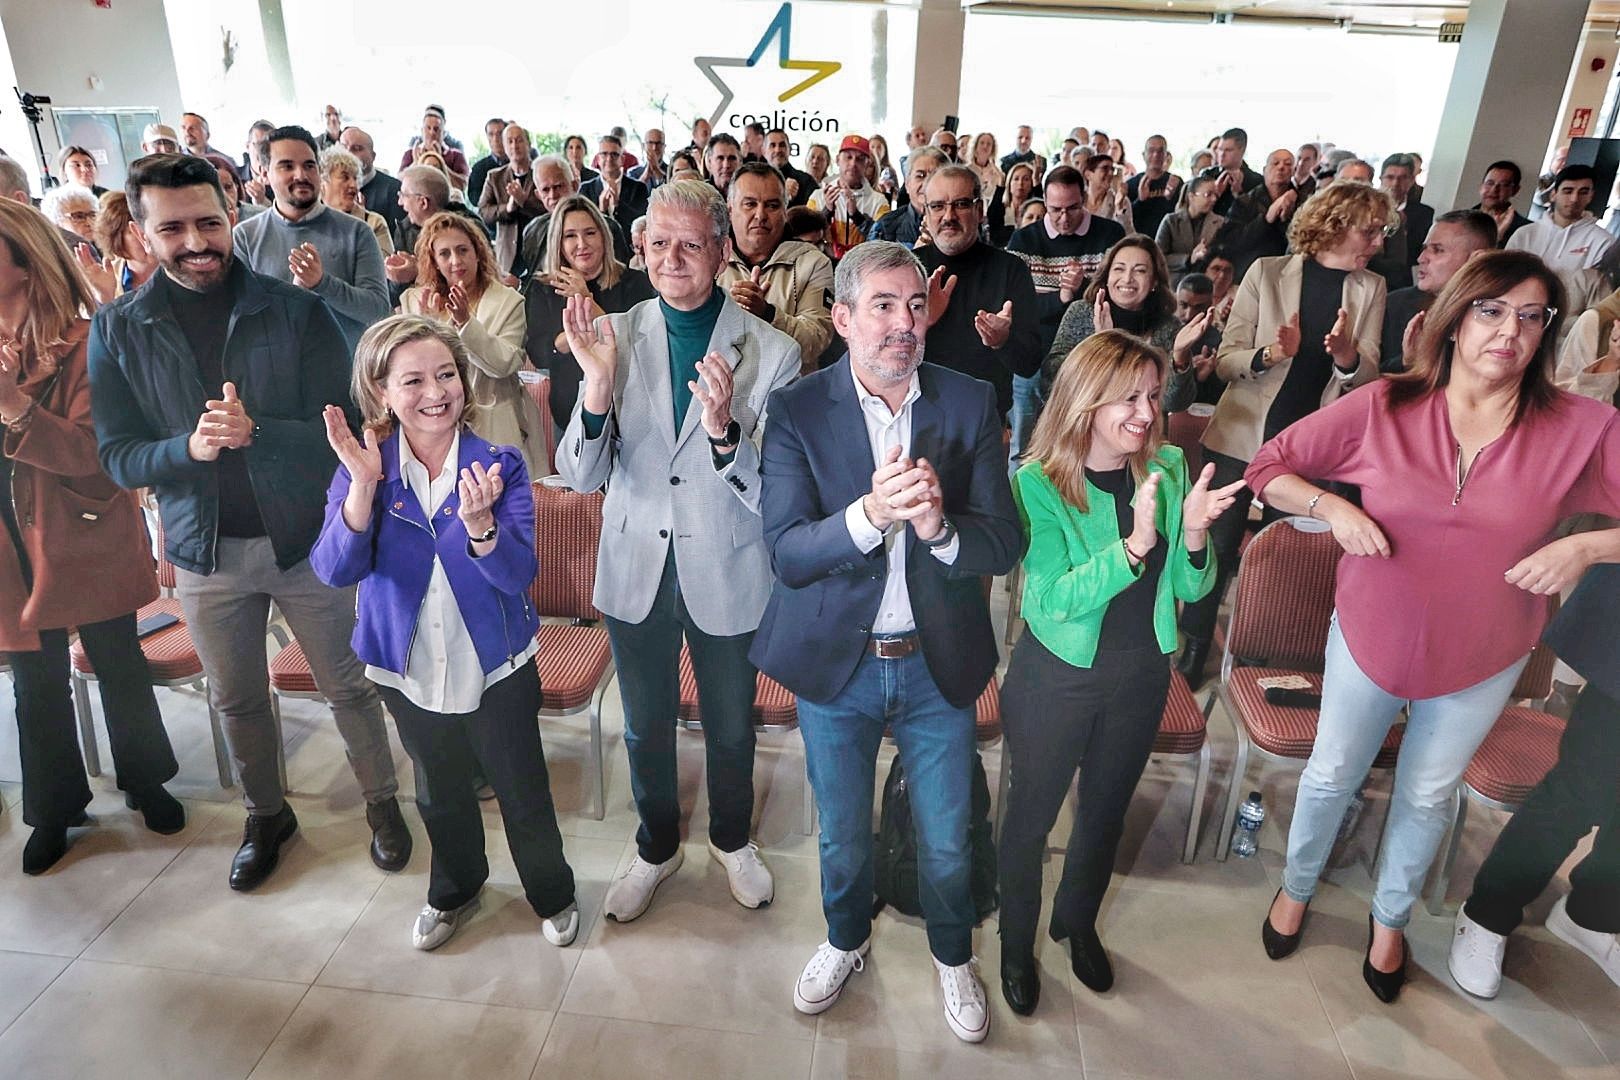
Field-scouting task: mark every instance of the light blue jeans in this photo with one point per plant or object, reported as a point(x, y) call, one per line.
point(1442, 734)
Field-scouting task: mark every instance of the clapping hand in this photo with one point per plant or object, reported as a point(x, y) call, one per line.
point(1413, 331)
point(1145, 525)
point(1102, 312)
point(567, 281)
point(1070, 278)
point(12, 400)
point(225, 426)
point(1287, 340)
point(98, 272)
point(459, 305)
point(305, 263)
point(749, 293)
point(1188, 336)
point(713, 389)
point(400, 268)
point(1203, 363)
point(596, 349)
point(362, 460)
point(994, 328)
point(1202, 506)
point(904, 490)
point(940, 289)
point(478, 489)
point(1282, 205)
point(1338, 342)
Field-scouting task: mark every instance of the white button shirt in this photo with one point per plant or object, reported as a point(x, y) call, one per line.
point(885, 430)
point(442, 671)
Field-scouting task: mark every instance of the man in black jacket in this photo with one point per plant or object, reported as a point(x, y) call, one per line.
point(618, 196)
point(1230, 172)
point(885, 501)
point(1581, 791)
point(208, 385)
point(983, 317)
point(1257, 224)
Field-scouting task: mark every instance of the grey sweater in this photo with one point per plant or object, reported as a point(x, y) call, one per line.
point(352, 281)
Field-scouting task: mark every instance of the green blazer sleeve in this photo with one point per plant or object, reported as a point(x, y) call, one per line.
point(1061, 587)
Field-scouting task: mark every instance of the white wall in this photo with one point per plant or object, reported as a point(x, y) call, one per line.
point(57, 46)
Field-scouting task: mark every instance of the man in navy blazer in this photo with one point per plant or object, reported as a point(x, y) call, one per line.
point(885, 504)
point(1581, 791)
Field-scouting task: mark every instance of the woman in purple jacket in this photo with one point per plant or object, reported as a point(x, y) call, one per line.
point(437, 528)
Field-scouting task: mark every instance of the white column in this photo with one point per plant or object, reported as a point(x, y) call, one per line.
point(936, 88)
point(1506, 88)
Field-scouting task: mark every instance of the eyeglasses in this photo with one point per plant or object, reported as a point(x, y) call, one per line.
point(1373, 232)
point(1063, 211)
point(81, 215)
point(961, 206)
point(1495, 313)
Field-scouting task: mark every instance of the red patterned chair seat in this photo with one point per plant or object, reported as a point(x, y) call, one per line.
point(1516, 755)
point(571, 662)
point(289, 671)
point(986, 715)
point(1181, 731)
point(1285, 730)
point(170, 654)
point(774, 706)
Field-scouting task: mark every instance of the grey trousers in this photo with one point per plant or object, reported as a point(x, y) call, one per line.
point(228, 612)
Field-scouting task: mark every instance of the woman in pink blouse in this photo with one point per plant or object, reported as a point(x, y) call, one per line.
point(1466, 465)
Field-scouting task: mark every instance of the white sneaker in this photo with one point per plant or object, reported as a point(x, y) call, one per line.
point(1604, 949)
point(824, 976)
point(632, 891)
point(563, 927)
point(1476, 957)
point(434, 927)
point(965, 1010)
point(749, 877)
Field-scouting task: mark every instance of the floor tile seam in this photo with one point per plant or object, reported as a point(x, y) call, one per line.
point(122, 911)
point(382, 880)
point(1321, 1003)
point(292, 1012)
point(1568, 1006)
point(172, 969)
point(562, 1008)
point(33, 1000)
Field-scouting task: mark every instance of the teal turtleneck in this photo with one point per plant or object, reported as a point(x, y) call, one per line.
point(689, 335)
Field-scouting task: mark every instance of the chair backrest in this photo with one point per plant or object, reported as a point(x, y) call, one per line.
point(1535, 681)
point(1284, 600)
point(1186, 430)
point(165, 568)
point(567, 528)
point(540, 391)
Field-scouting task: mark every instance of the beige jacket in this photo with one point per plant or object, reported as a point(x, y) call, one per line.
point(1267, 298)
point(798, 280)
point(507, 415)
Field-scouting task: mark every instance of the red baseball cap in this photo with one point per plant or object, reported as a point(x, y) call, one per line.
point(857, 144)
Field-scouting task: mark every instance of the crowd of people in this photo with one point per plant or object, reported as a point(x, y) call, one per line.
point(313, 369)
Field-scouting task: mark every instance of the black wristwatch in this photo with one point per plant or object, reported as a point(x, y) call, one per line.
point(732, 436)
point(486, 536)
point(947, 533)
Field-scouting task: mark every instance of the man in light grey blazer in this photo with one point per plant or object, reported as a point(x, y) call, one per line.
point(669, 416)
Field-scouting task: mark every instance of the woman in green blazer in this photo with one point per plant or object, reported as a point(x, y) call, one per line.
point(1116, 537)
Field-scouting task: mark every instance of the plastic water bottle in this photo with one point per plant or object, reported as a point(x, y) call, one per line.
point(1249, 817)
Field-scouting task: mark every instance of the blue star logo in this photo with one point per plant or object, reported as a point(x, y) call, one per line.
point(780, 28)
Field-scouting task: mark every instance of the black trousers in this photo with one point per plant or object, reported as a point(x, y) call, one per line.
point(54, 785)
point(1581, 791)
point(647, 655)
point(502, 740)
point(1059, 718)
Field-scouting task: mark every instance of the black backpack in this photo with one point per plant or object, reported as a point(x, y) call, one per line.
point(894, 857)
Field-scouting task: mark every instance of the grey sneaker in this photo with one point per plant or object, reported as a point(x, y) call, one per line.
point(563, 927)
point(631, 893)
point(434, 927)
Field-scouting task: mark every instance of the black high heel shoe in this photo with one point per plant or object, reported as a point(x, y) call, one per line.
point(1087, 957)
point(1278, 944)
point(1385, 985)
point(47, 845)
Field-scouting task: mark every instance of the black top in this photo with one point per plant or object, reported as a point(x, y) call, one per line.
point(1134, 323)
point(205, 319)
point(1152, 206)
point(1128, 622)
point(1321, 294)
point(1399, 307)
point(544, 310)
point(986, 278)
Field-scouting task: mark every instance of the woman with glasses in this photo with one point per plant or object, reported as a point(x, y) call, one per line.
point(1186, 236)
point(1303, 329)
point(73, 209)
point(1466, 465)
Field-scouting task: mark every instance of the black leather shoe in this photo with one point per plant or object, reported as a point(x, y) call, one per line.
point(162, 812)
point(1087, 957)
point(1277, 943)
point(1385, 985)
point(390, 838)
point(262, 838)
point(1020, 983)
point(48, 844)
point(1191, 661)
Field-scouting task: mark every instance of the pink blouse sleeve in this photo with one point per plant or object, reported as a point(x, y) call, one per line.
point(1597, 490)
point(1322, 446)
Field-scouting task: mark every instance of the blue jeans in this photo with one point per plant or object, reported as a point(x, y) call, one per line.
point(1442, 734)
point(841, 740)
point(1026, 409)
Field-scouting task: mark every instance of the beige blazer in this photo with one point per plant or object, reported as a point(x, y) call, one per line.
point(507, 415)
point(1267, 298)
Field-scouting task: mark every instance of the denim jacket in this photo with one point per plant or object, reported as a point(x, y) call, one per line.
point(392, 560)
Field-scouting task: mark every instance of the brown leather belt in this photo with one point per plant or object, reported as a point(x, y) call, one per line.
point(893, 648)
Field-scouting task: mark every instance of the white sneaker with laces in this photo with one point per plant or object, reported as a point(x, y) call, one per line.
point(563, 927)
point(824, 976)
point(1604, 949)
point(434, 927)
point(1476, 957)
point(632, 891)
point(746, 872)
point(965, 1009)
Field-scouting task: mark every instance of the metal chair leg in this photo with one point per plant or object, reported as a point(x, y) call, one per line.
point(222, 755)
point(1234, 795)
point(1189, 850)
point(1003, 786)
point(1436, 902)
point(281, 744)
point(87, 724)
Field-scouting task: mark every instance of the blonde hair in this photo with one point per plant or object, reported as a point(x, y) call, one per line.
point(1331, 213)
point(58, 296)
point(428, 277)
point(1099, 371)
point(374, 354)
point(612, 268)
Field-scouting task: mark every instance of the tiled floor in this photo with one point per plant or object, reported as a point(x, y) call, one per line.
point(133, 959)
